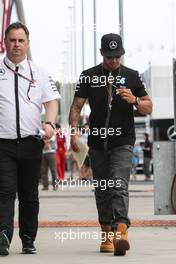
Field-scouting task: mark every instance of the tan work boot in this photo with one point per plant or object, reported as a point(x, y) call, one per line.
point(121, 243)
point(107, 239)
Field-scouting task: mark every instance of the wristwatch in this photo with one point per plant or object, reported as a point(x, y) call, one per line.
point(51, 124)
point(137, 101)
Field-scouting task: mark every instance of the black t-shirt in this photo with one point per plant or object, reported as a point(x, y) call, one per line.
point(147, 149)
point(93, 84)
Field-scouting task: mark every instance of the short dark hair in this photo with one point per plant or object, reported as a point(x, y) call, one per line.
point(17, 25)
point(146, 135)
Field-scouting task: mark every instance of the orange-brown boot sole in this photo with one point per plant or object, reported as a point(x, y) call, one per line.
point(106, 249)
point(121, 247)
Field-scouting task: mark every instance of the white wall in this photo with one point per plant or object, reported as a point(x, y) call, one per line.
point(161, 91)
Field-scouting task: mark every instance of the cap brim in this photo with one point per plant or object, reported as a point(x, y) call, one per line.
point(113, 53)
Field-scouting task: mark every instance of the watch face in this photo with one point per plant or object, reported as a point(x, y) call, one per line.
point(138, 100)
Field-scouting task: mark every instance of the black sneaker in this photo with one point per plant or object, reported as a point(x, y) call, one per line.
point(4, 244)
point(28, 245)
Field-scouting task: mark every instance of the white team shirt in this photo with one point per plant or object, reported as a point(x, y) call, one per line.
point(43, 90)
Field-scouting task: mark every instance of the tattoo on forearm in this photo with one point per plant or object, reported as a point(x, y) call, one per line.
point(75, 111)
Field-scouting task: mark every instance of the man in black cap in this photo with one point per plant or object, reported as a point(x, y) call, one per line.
point(112, 91)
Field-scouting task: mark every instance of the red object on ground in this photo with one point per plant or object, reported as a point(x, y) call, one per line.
point(94, 223)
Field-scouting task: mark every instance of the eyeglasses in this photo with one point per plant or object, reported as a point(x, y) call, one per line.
point(112, 57)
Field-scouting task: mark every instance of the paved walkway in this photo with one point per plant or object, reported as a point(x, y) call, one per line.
point(73, 208)
point(148, 245)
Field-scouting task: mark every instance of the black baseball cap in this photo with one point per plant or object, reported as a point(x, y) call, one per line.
point(111, 45)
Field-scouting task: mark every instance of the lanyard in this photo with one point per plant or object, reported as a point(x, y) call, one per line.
point(31, 81)
point(21, 75)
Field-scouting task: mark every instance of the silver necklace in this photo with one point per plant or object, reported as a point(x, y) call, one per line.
point(109, 88)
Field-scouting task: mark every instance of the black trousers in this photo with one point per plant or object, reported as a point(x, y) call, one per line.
point(20, 163)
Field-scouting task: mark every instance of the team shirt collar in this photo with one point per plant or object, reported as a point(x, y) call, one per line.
point(22, 65)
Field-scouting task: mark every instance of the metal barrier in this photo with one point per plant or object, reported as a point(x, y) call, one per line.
point(164, 160)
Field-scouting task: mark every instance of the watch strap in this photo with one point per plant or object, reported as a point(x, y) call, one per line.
point(51, 124)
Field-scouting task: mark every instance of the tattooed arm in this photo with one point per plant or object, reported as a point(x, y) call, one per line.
point(74, 117)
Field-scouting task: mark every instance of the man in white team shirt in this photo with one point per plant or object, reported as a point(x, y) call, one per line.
point(24, 88)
